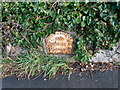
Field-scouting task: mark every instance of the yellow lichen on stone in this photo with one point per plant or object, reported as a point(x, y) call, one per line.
point(59, 43)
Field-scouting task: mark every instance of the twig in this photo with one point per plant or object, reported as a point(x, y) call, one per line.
point(52, 6)
point(44, 27)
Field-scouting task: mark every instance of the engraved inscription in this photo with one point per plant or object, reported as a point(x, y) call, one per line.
point(59, 43)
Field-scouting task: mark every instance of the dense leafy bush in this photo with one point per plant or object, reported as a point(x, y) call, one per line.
point(96, 24)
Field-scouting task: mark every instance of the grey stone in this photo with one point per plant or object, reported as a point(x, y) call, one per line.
point(101, 57)
point(118, 50)
point(108, 55)
point(116, 57)
point(24, 51)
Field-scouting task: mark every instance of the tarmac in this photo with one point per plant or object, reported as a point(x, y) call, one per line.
point(107, 79)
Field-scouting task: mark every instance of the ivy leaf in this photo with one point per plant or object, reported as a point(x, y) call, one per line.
point(90, 21)
point(83, 24)
point(84, 18)
point(78, 19)
point(42, 24)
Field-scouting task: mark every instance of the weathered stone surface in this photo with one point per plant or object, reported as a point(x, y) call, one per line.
point(118, 49)
point(13, 51)
point(116, 57)
point(108, 55)
point(59, 43)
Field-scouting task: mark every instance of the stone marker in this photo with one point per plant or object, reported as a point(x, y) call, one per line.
point(59, 43)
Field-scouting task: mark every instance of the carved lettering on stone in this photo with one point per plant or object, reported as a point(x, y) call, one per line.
point(59, 43)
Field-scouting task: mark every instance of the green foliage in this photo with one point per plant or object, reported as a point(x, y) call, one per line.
point(96, 24)
point(82, 53)
point(35, 63)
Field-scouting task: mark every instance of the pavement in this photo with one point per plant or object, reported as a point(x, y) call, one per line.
point(107, 79)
